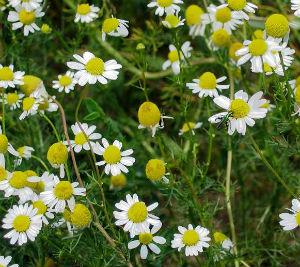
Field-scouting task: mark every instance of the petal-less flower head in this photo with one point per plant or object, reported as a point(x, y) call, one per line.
point(65, 82)
point(150, 117)
point(148, 240)
point(156, 170)
point(232, 50)
point(277, 26)
point(114, 159)
point(165, 6)
point(173, 56)
point(240, 7)
point(80, 216)
point(27, 4)
point(58, 155)
point(194, 240)
point(226, 244)
point(46, 29)
point(240, 111)
point(290, 221)
point(61, 194)
point(220, 39)
point(13, 100)
point(9, 78)
point(296, 7)
point(207, 85)
point(117, 182)
point(5, 146)
point(190, 126)
point(40, 184)
point(173, 21)
point(86, 13)
point(23, 18)
point(196, 19)
point(91, 69)
point(114, 27)
point(4, 261)
point(65, 220)
point(135, 215)
point(42, 209)
point(24, 223)
point(80, 142)
point(33, 84)
point(24, 152)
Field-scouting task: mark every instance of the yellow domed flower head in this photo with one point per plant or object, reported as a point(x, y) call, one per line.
point(114, 27)
point(3, 173)
point(173, 21)
point(31, 83)
point(118, 181)
point(258, 34)
point(220, 38)
point(140, 46)
point(156, 170)
point(46, 29)
point(58, 155)
point(39, 183)
point(219, 237)
point(277, 26)
point(233, 48)
point(80, 216)
point(190, 126)
point(240, 7)
point(196, 19)
point(86, 13)
point(34, 175)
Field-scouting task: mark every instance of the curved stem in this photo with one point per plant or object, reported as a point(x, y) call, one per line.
point(40, 161)
point(52, 126)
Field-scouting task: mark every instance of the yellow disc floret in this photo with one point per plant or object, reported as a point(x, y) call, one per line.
point(31, 83)
point(137, 213)
point(145, 238)
point(223, 15)
point(80, 216)
point(148, 114)
point(193, 14)
point(190, 238)
point(28, 103)
point(239, 108)
point(237, 5)
point(258, 34)
point(95, 66)
point(297, 94)
point(233, 48)
point(277, 26)
point(57, 153)
point(46, 29)
point(44, 104)
point(21, 223)
point(221, 38)
point(40, 205)
point(172, 20)
point(118, 180)
point(110, 25)
point(67, 215)
point(187, 126)
point(83, 9)
point(112, 154)
point(164, 3)
point(258, 47)
point(3, 174)
point(18, 180)
point(80, 139)
point(65, 80)
point(6, 74)
point(298, 218)
point(219, 237)
point(208, 81)
point(173, 56)
point(21, 151)
point(26, 17)
point(3, 143)
point(155, 169)
point(12, 98)
point(63, 190)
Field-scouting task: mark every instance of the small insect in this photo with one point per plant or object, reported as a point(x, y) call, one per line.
point(225, 119)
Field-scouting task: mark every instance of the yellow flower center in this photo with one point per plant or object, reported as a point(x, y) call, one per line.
point(21, 151)
point(21, 223)
point(37, 186)
point(239, 108)
point(12, 98)
point(3, 174)
point(187, 126)
point(57, 153)
point(232, 50)
point(208, 81)
point(18, 180)
point(110, 24)
point(3, 143)
point(193, 14)
point(95, 66)
point(221, 38)
point(190, 238)
point(118, 180)
point(265, 105)
point(83, 9)
point(155, 169)
point(258, 47)
point(6, 74)
point(65, 80)
point(164, 3)
point(137, 213)
point(268, 68)
point(172, 20)
point(145, 238)
point(28, 103)
point(80, 216)
point(298, 81)
point(277, 25)
point(26, 17)
point(44, 104)
point(237, 5)
point(67, 215)
point(258, 34)
point(148, 114)
point(112, 154)
point(298, 218)
point(297, 94)
point(219, 237)
point(63, 190)
point(30, 84)
point(40, 205)
point(173, 56)
point(46, 29)
point(80, 139)
point(223, 15)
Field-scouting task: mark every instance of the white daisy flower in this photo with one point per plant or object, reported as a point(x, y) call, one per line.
point(43, 183)
point(5, 261)
point(80, 142)
point(240, 111)
point(135, 216)
point(148, 240)
point(194, 240)
point(173, 21)
point(62, 193)
point(26, 19)
point(65, 220)
point(47, 104)
point(5, 146)
point(290, 221)
point(207, 85)
point(173, 56)
point(65, 82)
point(258, 51)
point(27, 4)
point(223, 18)
point(30, 106)
point(91, 69)
point(114, 27)
point(9, 78)
point(86, 13)
point(268, 105)
point(197, 20)
point(240, 7)
point(24, 223)
point(115, 160)
point(156, 170)
point(190, 126)
point(226, 245)
point(12, 100)
point(24, 152)
point(165, 6)
point(42, 208)
point(296, 7)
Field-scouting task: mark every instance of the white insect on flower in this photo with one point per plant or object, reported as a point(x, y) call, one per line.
point(114, 27)
point(86, 13)
point(165, 6)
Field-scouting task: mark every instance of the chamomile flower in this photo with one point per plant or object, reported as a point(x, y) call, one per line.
point(165, 6)
point(290, 221)
point(114, 27)
point(91, 69)
point(189, 126)
point(80, 142)
point(5, 146)
point(24, 223)
point(9, 78)
point(173, 57)
point(223, 18)
point(86, 13)
point(196, 19)
point(33, 84)
point(296, 7)
point(240, 111)
point(277, 26)
point(268, 105)
point(135, 215)
point(220, 39)
point(65, 83)
point(226, 245)
point(194, 240)
point(23, 18)
point(65, 220)
point(173, 21)
point(47, 104)
point(156, 170)
point(148, 240)
point(80, 216)
point(117, 182)
point(13, 100)
point(30, 106)
point(58, 155)
point(207, 85)
point(5, 261)
point(24, 152)
point(150, 117)
point(114, 159)
point(42, 209)
point(232, 50)
point(27, 4)
point(61, 194)
point(240, 7)
point(40, 183)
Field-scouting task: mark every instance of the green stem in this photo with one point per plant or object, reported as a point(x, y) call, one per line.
point(40, 161)
point(52, 126)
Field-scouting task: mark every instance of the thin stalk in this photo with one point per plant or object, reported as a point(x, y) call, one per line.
point(52, 126)
point(40, 161)
point(3, 111)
